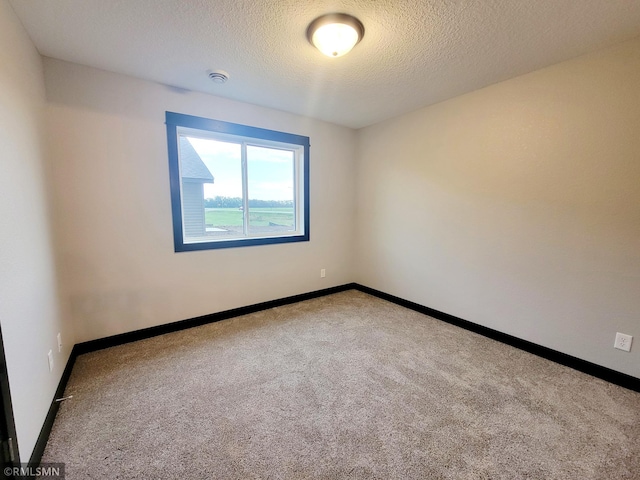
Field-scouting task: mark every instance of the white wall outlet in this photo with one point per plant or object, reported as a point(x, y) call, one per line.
point(59, 343)
point(323, 273)
point(623, 342)
point(50, 356)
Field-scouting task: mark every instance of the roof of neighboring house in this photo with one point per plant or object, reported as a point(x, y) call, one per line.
point(191, 165)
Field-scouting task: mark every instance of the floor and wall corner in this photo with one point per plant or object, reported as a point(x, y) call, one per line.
point(514, 207)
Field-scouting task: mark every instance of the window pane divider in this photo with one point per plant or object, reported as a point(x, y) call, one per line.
point(245, 190)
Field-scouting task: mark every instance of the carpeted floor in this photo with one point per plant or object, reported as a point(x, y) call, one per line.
point(344, 386)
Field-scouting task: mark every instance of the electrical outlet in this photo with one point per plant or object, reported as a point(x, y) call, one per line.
point(323, 273)
point(623, 342)
point(59, 343)
point(50, 356)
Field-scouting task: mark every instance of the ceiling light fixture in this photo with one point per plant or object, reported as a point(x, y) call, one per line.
point(335, 34)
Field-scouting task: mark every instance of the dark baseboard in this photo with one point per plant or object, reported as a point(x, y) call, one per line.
point(595, 370)
point(584, 366)
point(41, 443)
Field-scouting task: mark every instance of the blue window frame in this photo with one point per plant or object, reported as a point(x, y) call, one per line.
point(234, 185)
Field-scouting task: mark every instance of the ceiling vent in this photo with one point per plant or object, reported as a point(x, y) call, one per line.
point(218, 76)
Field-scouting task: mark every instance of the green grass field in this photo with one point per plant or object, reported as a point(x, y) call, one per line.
point(258, 217)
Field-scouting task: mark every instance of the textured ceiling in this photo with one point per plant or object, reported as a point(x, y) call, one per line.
point(414, 53)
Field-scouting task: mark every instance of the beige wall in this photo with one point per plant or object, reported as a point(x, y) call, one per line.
point(113, 216)
point(516, 206)
point(29, 312)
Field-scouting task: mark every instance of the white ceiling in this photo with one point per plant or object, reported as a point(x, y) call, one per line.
point(414, 53)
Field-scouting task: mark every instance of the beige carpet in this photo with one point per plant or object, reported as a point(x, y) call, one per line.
point(344, 386)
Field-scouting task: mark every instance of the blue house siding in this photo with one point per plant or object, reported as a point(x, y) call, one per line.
point(193, 208)
point(194, 174)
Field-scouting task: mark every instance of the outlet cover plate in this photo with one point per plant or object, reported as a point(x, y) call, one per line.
point(623, 342)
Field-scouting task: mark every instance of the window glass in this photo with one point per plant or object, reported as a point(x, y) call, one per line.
point(271, 189)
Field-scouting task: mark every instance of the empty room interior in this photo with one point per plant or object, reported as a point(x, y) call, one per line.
point(353, 239)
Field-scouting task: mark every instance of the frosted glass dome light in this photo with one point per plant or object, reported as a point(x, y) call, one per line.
point(335, 34)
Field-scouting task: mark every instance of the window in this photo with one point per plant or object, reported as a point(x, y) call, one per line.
point(234, 185)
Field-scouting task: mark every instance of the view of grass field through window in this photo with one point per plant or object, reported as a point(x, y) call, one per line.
point(269, 188)
point(259, 217)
